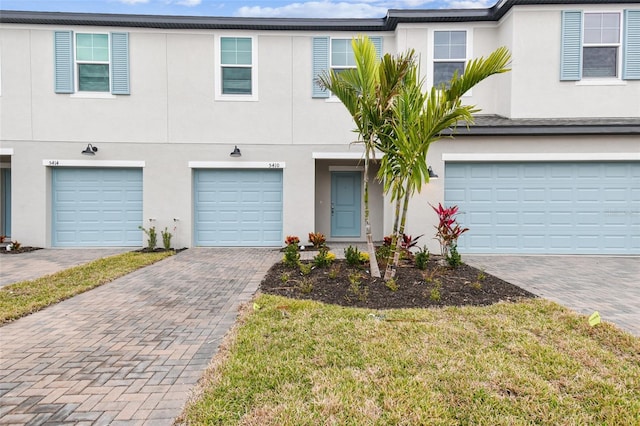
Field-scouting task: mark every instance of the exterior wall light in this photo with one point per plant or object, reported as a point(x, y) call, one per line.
point(236, 152)
point(90, 150)
point(432, 174)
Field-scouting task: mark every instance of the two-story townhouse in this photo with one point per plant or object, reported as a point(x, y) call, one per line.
point(216, 129)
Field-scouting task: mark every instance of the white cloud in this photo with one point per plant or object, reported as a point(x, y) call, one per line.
point(352, 8)
point(317, 9)
point(188, 3)
point(471, 4)
point(132, 2)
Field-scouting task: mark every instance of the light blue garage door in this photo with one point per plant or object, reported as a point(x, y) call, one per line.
point(238, 207)
point(547, 208)
point(95, 207)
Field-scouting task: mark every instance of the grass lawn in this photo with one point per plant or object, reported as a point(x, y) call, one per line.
point(294, 362)
point(26, 297)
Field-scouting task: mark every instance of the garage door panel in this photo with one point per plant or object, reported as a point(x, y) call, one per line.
point(238, 207)
point(537, 171)
point(96, 207)
point(480, 195)
point(546, 207)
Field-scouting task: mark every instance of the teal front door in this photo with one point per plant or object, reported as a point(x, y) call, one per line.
point(5, 210)
point(345, 204)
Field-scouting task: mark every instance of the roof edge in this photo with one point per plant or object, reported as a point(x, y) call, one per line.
point(387, 23)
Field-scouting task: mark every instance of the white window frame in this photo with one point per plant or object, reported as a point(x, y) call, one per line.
point(431, 52)
point(349, 43)
point(76, 70)
point(618, 46)
point(219, 96)
point(332, 97)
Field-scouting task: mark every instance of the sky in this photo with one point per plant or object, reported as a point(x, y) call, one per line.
point(242, 8)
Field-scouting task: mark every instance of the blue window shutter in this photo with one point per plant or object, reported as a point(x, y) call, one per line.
point(631, 45)
point(120, 63)
point(571, 47)
point(377, 42)
point(320, 65)
point(63, 61)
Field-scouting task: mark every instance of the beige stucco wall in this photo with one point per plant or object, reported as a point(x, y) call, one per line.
point(172, 116)
point(537, 91)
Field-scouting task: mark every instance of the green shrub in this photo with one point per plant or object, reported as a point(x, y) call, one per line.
point(166, 239)
point(352, 256)
point(422, 258)
point(323, 258)
point(392, 284)
point(152, 237)
point(291, 256)
point(305, 268)
point(453, 258)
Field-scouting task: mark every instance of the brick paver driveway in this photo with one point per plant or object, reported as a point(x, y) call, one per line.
point(130, 351)
point(608, 284)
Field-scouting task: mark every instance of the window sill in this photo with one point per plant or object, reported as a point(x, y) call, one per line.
point(601, 82)
point(237, 98)
point(92, 95)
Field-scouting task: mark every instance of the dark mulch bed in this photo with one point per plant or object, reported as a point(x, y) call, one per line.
point(461, 286)
point(158, 250)
point(26, 249)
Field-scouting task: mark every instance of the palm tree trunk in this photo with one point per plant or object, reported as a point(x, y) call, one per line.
point(403, 221)
point(375, 269)
point(390, 271)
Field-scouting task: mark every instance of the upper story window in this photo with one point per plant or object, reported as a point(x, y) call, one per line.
point(601, 44)
point(602, 47)
point(237, 69)
point(236, 63)
point(92, 62)
point(342, 57)
point(449, 55)
point(333, 54)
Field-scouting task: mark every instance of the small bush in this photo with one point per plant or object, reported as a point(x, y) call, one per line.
point(392, 284)
point(364, 257)
point(361, 292)
point(292, 240)
point(305, 286)
point(317, 239)
point(352, 256)
point(152, 237)
point(383, 252)
point(453, 258)
point(305, 268)
point(291, 256)
point(284, 277)
point(166, 239)
point(333, 272)
point(422, 258)
point(434, 294)
point(324, 258)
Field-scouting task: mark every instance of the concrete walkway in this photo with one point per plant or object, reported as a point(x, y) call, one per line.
point(128, 352)
point(609, 285)
point(36, 264)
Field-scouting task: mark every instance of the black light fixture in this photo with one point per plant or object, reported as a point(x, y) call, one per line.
point(236, 152)
point(90, 150)
point(432, 174)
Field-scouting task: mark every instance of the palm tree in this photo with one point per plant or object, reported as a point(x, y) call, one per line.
point(367, 92)
point(419, 119)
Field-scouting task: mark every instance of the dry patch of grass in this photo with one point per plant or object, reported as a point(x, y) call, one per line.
point(295, 362)
point(26, 297)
